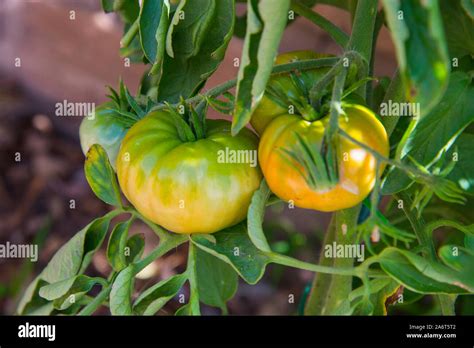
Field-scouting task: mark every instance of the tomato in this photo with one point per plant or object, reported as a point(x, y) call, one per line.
point(103, 128)
point(188, 187)
point(357, 167)
point(268, 109)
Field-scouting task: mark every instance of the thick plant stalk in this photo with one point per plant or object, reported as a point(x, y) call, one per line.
point(329, 291)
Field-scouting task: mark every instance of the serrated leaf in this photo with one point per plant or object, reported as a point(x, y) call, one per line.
point(419, 40)
point(266, 20)
point(121, 293)
point(101, 176)
point(71, 259)
point(155, 297)
point(437, 131)
point(152, 13)
point(199, 42)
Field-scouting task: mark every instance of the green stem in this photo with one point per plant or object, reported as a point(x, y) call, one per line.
point(328, 292)
point(193, 282)
point(446, 303)
point(277, 69)
point(100, 298)
point(334, 31)
point(131, 33)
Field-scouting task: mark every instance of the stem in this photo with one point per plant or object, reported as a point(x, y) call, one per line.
point(334, 31)
point(291, 262)
point(193, 284)
point(128, 37)
point(165, 245)
point(277, 69)
point(446, 303)
point(417, 223)
point(99, 299)
point(327, 293)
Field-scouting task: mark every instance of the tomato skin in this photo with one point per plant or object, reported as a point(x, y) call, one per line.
point(103, 129)
point(356, 175)
point(268, 109)
point(181, 185)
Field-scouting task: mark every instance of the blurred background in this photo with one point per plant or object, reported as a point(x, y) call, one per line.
point(45, 58)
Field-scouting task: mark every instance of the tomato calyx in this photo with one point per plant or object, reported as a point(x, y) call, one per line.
point(190, 124)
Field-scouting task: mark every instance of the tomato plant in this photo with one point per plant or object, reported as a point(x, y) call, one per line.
point(388, 156)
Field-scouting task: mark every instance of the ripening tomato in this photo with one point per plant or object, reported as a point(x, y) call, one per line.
point(268, 108)
point(103, 128)
point(357, 167)
point(188, 187)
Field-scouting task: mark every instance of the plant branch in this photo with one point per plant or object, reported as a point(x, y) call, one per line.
point(334, 31)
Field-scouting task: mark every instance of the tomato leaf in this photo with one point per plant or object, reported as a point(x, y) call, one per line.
point(437, 131)
point(121, 294)
point(424, 276)
point(153, 24)
point(71, 259)
point(463, 172)
point(266, 20)
point(256, 214)
point(418, 36)
point(135, 247)
point(196, 46)
point(217, 281)
point(233, 245)
point(117, 244)
point(68, 292)
point(458, 23)
point(101, 176)
point(154, 298)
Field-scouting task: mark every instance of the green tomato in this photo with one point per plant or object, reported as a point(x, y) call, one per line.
point(103, 128)
point(188, 187)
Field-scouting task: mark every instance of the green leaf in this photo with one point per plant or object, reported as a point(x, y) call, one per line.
point(116, 247)
point(459, 26)
point(256, 215)
point(266, 20)
point(153, 24)
point(417, 32)
point(217, 281)
point(121, 294)
point(128, 9)
point(184, 310)
point(199, 42)
point(32, 303)
point(135, 247)
point(71, 259)
point(101, 176)
point(424, 276)
point(458, 258)
point(68, 292)
point(155, 297)
point(463, 172)
point(234, 246)
point(437, 131)
point(74, 256)
point(108, 5)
